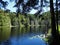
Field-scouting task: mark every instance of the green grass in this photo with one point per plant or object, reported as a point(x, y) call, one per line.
point(49, 33)
point(59, 28)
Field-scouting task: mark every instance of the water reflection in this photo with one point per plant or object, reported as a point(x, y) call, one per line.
point(4, 34)
point(21, 36)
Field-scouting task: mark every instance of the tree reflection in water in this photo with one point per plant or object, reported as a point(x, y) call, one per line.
point(18, 36)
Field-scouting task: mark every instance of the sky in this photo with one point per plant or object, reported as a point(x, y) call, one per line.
point(13, 9)
point(10, 6)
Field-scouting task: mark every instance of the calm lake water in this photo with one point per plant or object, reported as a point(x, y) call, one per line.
point(22, 36)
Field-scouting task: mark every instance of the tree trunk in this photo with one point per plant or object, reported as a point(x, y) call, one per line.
point(57, 15)
point(53, 25)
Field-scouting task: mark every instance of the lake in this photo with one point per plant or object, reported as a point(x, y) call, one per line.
point(22, 36)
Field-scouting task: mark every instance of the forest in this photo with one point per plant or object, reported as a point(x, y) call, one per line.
point(22, 23)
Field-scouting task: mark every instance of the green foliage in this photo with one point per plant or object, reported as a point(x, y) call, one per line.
point(14, 19)
point(4, 20)
point(59, 28)
point(24, 20)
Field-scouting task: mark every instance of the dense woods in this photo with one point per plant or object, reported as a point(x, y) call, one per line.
point(49, 21)
point(29, 19)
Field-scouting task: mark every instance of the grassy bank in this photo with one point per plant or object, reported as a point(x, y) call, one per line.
point(59, 28)
point(49, 33)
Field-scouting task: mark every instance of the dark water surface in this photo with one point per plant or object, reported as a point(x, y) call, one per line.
point(21, 36)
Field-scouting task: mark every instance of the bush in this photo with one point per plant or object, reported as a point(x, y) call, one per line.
point(4, 20)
